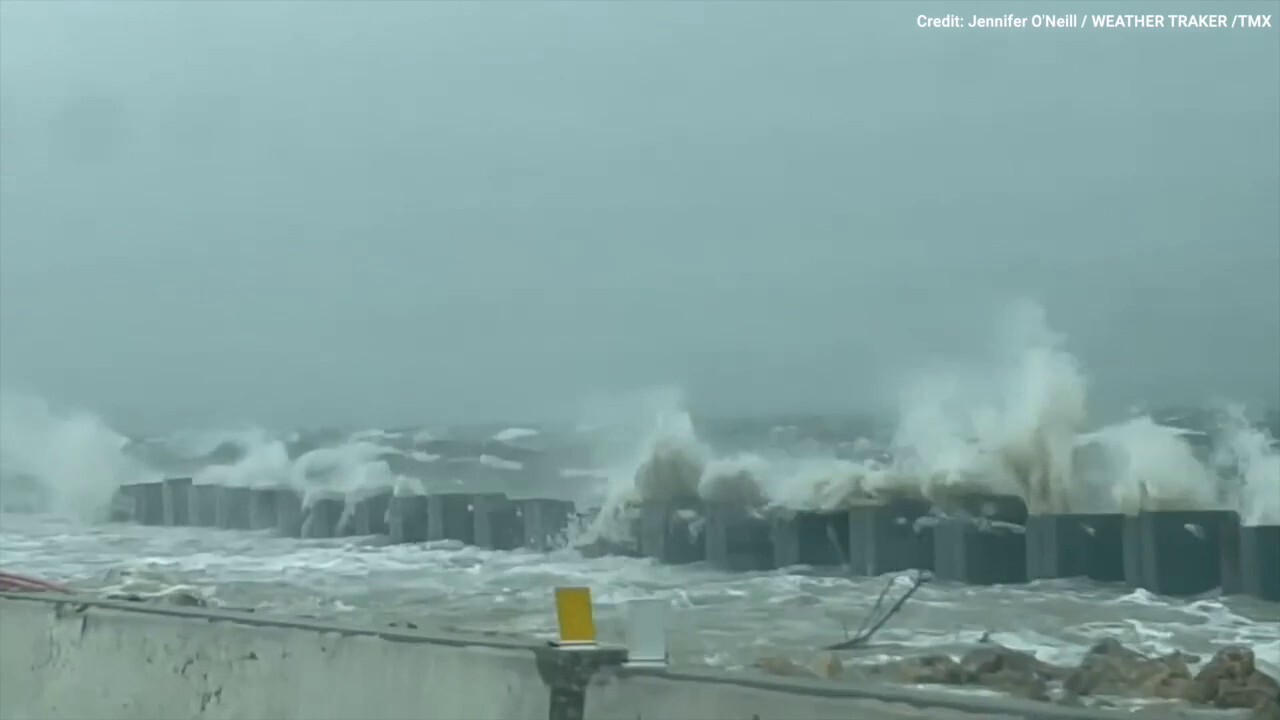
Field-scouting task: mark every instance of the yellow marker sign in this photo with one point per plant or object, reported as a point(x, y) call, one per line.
point(573, 611)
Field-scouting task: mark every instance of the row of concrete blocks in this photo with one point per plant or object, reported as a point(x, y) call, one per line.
point(1175, 553)
point(488, 520)
point(991, 540)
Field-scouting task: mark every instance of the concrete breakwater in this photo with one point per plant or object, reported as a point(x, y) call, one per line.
point(72, 657)
point(972, 539)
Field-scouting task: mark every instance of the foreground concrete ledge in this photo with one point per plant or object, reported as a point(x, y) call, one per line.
point(125, 648)
point(69, 657)
point(81, 603)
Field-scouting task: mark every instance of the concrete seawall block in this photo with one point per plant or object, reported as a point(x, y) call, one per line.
point(148, 503)
point(820, 539)
point(546, 522)
point(289, 514)
point(177, 501)
point(966, 551)
point(499, 523)
point(123, 502)
point(1260, 561)
point(128, 503)
point(322, 518)
point(407, 518)
point(1230, 555)
point(233, 507)
point(1175, 552)
point(370, 515)
point(670, 532)
point(885, 538)
point(451, 516)
point(262, 508)
point(1087, 545)
point(203, 509)
point(737, 538)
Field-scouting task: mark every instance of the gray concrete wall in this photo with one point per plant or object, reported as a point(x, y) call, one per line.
point(73, 661)
point(72, 658)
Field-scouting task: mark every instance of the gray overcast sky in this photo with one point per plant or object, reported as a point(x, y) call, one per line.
point(306, 212)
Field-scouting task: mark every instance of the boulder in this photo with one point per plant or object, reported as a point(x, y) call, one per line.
point(1232, 680)
point(1011, 671)
point(1110, 668)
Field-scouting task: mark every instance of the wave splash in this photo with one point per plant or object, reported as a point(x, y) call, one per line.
point(1015, 424)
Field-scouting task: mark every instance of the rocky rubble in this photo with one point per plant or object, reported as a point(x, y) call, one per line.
point(1109, 672)
point(1232, 680)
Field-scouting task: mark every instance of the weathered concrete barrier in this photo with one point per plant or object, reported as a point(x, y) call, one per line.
point(820, 539)
point(176, 498)
point(407, 518)
point(668, 532)
point(262, 509)
point(289, 513)
point(1249, 558)
point(499, 522)
point(545, 522)
point(981, 539)
point(965, 550)
point(148, 502)
point(370, 514)
point(737, 538)
point(233, 507)
point(203, 507)
point(885, 537)
point(1260, 561)
point(322, 517)
point(1176, 552)
point(70, 657)
point(451, 516)
point(1076, 545)
point(67, 657)
point(969, 538)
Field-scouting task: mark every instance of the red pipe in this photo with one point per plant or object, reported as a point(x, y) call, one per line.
point(20, 583)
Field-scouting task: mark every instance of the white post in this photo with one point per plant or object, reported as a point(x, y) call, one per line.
point(647, 632)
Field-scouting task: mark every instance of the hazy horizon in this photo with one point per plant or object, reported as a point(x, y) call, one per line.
point(389, 214)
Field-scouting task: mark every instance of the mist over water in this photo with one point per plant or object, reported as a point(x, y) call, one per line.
point(1015, 421)
point(68, 462)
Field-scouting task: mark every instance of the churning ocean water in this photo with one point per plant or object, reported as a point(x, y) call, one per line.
point(1021, 428)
